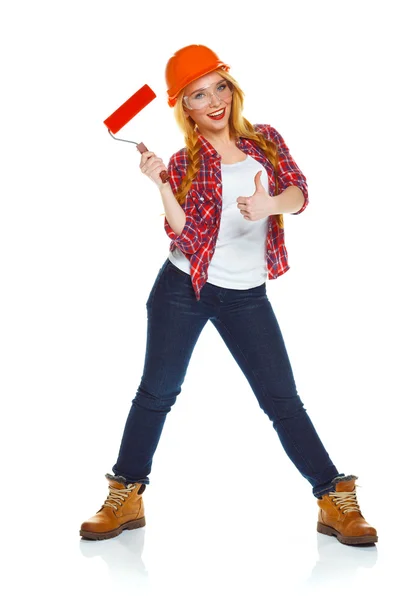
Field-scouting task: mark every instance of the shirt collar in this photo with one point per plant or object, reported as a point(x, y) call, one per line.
point(208, 151)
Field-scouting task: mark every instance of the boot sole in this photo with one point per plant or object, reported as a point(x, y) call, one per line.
point(105, 535)
point(349, 540)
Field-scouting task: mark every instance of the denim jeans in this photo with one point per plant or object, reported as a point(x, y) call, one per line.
point(247, 324)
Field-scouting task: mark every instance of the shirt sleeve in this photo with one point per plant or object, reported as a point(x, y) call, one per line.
point(290, 174)
point(195, 231)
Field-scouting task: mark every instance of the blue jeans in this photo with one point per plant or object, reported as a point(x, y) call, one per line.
point(249, 328)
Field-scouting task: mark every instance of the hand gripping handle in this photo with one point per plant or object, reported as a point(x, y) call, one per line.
point(163, 174)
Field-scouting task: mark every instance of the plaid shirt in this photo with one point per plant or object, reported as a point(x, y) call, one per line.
point(203, 204)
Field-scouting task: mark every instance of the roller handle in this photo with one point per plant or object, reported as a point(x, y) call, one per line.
point(163, 174)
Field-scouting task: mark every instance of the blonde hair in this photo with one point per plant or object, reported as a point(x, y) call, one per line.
point(238, 126)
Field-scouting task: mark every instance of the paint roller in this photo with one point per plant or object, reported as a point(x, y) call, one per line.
point(126, 112)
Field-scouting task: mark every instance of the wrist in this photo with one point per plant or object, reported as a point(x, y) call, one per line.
point(273, 205)
point(289, 200)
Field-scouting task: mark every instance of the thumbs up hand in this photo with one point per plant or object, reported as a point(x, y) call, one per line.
point(258, 206)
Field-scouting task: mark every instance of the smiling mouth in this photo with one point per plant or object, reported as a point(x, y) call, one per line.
point(218, 114)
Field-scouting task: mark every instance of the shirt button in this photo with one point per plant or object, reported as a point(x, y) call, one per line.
point(218, 185)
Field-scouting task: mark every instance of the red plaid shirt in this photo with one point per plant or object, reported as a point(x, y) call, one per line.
point(203, 204)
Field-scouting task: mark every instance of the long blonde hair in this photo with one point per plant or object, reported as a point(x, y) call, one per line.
point(238, 126)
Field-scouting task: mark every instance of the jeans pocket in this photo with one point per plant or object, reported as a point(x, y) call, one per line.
point(178, 272)
point(258, 292)
point(178, 284)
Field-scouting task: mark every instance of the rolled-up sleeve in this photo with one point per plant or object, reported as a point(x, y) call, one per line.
point(193, 235)
point(289, 172)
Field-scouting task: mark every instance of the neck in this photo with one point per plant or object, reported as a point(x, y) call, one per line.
point(218, 141)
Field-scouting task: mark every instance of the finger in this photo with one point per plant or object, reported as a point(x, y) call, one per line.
point(145, 162)
point(145, 157)
point(150, 164)
point(153, 173)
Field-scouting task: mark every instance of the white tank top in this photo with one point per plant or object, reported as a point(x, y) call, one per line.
point(239, 259)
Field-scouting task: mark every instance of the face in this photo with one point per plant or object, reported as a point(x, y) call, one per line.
point(201, 116)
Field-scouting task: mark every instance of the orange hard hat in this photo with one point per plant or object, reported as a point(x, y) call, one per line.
point(186, 65)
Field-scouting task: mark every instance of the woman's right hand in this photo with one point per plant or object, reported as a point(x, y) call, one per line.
point(151, 165)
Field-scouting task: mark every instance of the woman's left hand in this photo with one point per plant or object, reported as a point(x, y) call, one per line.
point(258, 206)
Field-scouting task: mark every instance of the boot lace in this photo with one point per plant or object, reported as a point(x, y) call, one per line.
point(116, 497)
point(346, 501)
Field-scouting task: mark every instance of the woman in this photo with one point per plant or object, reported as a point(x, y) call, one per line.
point(224, 200)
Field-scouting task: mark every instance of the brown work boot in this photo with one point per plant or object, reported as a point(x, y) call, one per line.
point(340, 515)
point(123, 509)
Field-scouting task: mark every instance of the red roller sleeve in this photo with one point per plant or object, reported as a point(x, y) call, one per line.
point(127, 111)
point(130, 108)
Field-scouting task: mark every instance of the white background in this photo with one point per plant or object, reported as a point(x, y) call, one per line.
point(82, 239)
